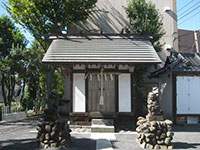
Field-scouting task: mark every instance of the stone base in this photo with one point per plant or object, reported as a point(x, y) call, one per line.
point(154, 134)
point(155, 118)
point(149, 146)
point(54, 134)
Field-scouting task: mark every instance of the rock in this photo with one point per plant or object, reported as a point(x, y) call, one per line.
point(48, 128)
point(138, 141)
point(142, 129)
point(156, 147)
point(157, 137)
point(163, 146)
point(170, 134)
point(153, 123)
point(164, 130)
point(143, 145)
point(41, 137)
point(152, 129)
point(52, 124)
point(53, 145)
point(150, 146)
point(168, 141)
point(147, 140)
point(169, 128)
point(47, 136)
point(140, 122)
point(158, 132)
point(148, 135)
point(138, 135)
point(38, 128)
point(163, 136)
point(141, 118)
point(160, 142)
point(169, 122)
point(45, 142)
point(170, 147)
point(63, 142)
point(55, 128)
point(46, 146)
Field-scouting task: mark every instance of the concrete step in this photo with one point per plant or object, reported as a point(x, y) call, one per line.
point(107, 122)
point(102, 128)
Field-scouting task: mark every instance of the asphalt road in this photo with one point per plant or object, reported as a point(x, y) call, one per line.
point(19, 136)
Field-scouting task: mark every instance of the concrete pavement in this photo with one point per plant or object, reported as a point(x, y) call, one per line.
point(19, 136)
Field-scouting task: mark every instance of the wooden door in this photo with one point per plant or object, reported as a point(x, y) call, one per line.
point(94, 93)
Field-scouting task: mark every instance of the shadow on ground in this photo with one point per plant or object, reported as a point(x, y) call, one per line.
point(82, 144)
point(19, 144)
point(184, 145)
point(186, 128)
point(32, 144)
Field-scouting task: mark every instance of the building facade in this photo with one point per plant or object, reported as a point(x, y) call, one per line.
point(109, 18)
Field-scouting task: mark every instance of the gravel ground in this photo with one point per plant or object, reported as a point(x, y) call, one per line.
point(18, 136)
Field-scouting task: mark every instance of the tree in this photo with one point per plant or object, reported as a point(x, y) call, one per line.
point(33, 73)
point(44, 17)
point(12, 49)
point(145, 19)
point(35, 77)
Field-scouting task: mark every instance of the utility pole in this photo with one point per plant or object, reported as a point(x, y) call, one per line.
point(196, 41)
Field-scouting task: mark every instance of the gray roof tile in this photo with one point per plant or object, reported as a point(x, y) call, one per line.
point(101, 50)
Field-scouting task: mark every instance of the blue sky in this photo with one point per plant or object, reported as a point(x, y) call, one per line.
point(188, 12)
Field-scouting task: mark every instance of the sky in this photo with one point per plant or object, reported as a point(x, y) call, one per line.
point(28, 36)
point(188, 12)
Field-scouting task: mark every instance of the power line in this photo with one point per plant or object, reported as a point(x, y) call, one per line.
point(189, 12)
point(189, 9)
point(185, 6)
point(189, 18)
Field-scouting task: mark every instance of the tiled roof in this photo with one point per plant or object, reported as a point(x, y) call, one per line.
point(180, 62)
point(101, 49)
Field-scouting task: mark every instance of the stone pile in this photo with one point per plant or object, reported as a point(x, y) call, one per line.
point(54, 134)
point(153, 131)
point(53, 131)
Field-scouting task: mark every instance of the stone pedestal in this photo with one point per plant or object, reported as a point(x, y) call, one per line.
point(153, 132)
point(53, 132)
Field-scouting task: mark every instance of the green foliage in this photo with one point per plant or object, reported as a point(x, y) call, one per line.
point(34, 72)
point(12, 62)
point(1, 105)
point(145, 19)
point(58, 83)
point(44, 17)
point(140, 90)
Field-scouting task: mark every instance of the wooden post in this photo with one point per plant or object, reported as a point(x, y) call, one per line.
point(50, 72)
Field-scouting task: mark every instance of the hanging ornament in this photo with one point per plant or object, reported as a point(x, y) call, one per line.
point(111, 77)
point(105, 77)
point(98, 77)
point(101, 101)
point(90, 77)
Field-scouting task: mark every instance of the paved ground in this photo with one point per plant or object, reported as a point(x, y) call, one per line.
point(18, 136)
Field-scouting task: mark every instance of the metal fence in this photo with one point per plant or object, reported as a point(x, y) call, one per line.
point(15, 108)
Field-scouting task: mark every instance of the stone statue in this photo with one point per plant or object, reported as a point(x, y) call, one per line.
point(51, 108)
